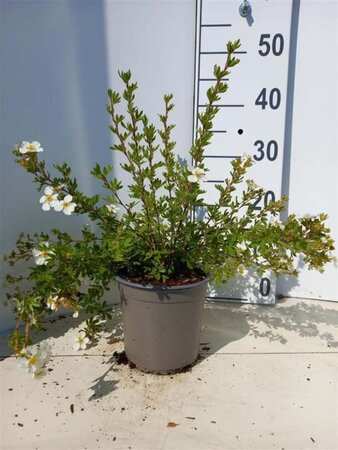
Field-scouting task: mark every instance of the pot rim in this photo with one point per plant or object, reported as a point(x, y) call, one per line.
point(152, 287)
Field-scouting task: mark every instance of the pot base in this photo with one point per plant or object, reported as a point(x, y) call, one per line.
point(184, 369)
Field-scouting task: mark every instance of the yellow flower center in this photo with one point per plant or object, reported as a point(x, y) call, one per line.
point(49, 198)
point(32, 360)
point(31, 148)
point(44, 253)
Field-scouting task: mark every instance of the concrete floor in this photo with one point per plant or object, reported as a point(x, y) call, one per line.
point(267, 380)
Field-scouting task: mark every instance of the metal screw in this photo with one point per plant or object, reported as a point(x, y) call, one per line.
point(245, 9)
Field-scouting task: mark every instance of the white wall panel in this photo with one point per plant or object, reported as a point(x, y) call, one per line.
point(313, 185)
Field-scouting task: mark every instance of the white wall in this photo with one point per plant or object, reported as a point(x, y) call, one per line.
point(59, 57)
point(313, 186)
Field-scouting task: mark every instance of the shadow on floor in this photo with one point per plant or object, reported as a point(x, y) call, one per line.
point(228, 322)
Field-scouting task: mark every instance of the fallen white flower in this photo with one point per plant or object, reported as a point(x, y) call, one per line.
point(81, 341)
point(30, 147)
point(34, 357)
point(76, 314)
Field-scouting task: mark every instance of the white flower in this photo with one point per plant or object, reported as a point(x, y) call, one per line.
point(112, 208)
point(81, 341)
point(34, 357)
point(252, 185)
point(52, 302)
point(42, 255)
point(76, 313)
point(197, 175)
point(241, 246)
point(242, 270)
point(30, 147)
point(49, 199)
point(246, 157)
point(65, 205)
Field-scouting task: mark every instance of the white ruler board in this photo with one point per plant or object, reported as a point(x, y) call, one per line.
point(252, 112)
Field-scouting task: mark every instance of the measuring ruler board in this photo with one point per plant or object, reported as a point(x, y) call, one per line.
point(252, 112)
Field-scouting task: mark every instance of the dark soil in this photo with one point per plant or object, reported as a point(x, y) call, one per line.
point(121, 358)
point(182, 277)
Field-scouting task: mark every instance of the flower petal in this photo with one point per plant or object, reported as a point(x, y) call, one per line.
point(40, 374)
point(192, 178)
point(46, 206)
point(49, 190)
point(57, 205)
point(41, 261)
point(31, 368)
point(31, 349)
point(68, 210)
point(22, 362)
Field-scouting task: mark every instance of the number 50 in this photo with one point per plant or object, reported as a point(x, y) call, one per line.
point(277, 44)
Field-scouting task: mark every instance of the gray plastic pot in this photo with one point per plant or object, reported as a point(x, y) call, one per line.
point(162, 325)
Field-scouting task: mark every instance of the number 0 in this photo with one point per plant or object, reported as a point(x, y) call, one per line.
point(265, 287)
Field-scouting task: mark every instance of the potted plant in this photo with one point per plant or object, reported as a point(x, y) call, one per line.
point(161, 257)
